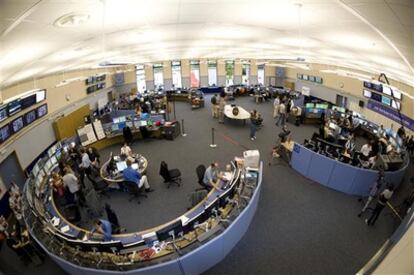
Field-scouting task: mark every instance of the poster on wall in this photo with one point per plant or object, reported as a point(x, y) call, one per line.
point(305, 91)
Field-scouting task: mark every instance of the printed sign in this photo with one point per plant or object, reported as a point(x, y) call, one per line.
point(391, 114)
point(305, 90)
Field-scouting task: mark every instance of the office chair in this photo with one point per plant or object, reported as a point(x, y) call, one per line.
point(101, 187)
point(200, 170)
point(134, 191)
point(113, 219)
point(170, 176)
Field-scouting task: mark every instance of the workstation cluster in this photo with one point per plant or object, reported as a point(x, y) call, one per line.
point(207, 231)
point(13, 106)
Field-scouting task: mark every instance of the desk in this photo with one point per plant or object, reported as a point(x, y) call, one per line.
point(141, 164)
point(64, 243)
point(243, 114)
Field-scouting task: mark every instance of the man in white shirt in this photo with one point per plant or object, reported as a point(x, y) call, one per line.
point(282, 115)
point(276, 104)
point(85, 167)
point(71, 182)
point(366, 149)
point(126, 150)
point(382, 201)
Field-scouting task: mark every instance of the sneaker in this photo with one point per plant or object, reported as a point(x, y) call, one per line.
point(149, 190)
point(252, 138)
point(366, 221)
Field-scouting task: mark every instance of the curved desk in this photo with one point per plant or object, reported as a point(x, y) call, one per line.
point(338, 175)
point(197, 250)
point(242, 115)
point(140, 161)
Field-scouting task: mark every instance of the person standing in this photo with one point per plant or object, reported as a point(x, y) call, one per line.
point(127, 133)
point(214, 106)
point(85, 167)
point(382, 201)
point(373, 192)
point(276, 104)
point(221, 104)
point(71, 182)
point(253, 124)
point(282, 115)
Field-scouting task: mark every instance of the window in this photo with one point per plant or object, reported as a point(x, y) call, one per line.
point(158, 76)
point(245, 73)
point(141, 84)
point(176, 74)
point(229, 72)
point(195, 74)
point(212, 73)
point(260, 74)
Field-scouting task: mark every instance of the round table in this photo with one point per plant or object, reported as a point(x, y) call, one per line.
point(242, 115)
point(113, 180)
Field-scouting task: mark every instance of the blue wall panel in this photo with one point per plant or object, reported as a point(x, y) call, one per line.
point(320, 169)
point(300, 160)
point(342, 177)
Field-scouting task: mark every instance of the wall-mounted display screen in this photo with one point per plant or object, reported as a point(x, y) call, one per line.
point(305, 77)
point(4, 133)
point(299, 76)
point(17, 124)
point(41, 111)
point(376, 97)
point(40, 96)
point(367, 85)
point(100, 86)
point(386, 90)
point(395, 104)
point(310, 105)
point(28, 101)
point(91, 89)
point(14, 107)
point(339, 109)
point(3, 112)
point(100, 78)
point(311, 78)
point(321, 106)
point(90, 80)
point(396, 94)
point(29, 117)
point(377, 87)
point(367, 93)
point(386, 100)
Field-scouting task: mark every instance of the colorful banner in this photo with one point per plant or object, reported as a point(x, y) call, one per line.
point(391, 114)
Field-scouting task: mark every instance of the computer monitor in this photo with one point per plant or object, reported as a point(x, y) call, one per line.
point(42, 110)
point(376, 97)
point(121, 166)
point(135, 166)
point(396, 105)
point(14, 107)
point(173, 229)
point(115, 127)
point(29, 117)
point(144, 123)
point(5, 133)
point(367, 93)
point(17, 124)
point(310, 105)
point(386, 90)
point(3, 112)
point(40, 96)
point(28, 101)
point(386, 100)
point(321, 106)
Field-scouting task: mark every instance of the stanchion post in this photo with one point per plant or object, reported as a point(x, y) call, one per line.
point(175, 118)
point(183, 130)
point(212, 145)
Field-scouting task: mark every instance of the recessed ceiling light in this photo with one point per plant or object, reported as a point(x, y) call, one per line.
point(71, 19)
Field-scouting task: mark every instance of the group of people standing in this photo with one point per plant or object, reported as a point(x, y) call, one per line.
point(282, 107)
point(217, 106)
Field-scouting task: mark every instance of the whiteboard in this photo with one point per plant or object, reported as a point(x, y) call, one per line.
point(97, 125)
point(87, 135)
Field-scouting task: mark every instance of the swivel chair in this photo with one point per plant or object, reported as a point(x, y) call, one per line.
point(113, 219)
point(101, 187)
point(200, 170)
point(170, 176)
point(134, 191)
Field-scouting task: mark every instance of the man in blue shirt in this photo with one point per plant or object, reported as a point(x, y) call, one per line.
point(211, 176)
point(130, 174)
point(104, 228)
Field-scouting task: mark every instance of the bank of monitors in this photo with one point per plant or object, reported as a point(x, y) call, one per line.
point(41, 111)
point(5, 133)
point(174, 229)
point(3, 112)
point(17, 125)
point(29, 117)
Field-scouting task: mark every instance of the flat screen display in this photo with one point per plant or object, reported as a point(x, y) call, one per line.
point(311, 78)
point(90, 80)
point(376, 97)
point(4, 133)
point(386, 90)
point(386, 101)
point(367, 84)
point(396, 94)
point(40, 96)
point(17, 124)
point(310, 105)
point(396, 105)
point(3, 112)
point(28, 101)
point(29, 117)
point(339, 109)
point(321, 106)
point(41, 111)
point(305, 77)
point(367, 93)
point(100, 78)
point(91, 89)
point(299, 76)
point(377, 87)
point(318, 79)
point(14, 107)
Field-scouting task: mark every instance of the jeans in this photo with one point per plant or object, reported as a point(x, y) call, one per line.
point(253, 129)
point(281, 120)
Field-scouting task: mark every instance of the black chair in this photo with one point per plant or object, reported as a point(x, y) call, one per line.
point(134, 191)
point(113, 219)
point(101, 187)
point(200, 170)
point(170, 176)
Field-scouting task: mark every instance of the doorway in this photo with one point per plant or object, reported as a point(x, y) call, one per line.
point(341, 101)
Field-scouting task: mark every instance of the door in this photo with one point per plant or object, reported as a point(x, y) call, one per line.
point(10, 170)
point(341, 101)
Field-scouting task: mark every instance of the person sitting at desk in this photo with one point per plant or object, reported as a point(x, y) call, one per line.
point(132, 175)
point(381, 131)
point(104, 228)
point(350, 143)
point(327, 133)
point(126, 150)
point(366, 149)
point(211, 176)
